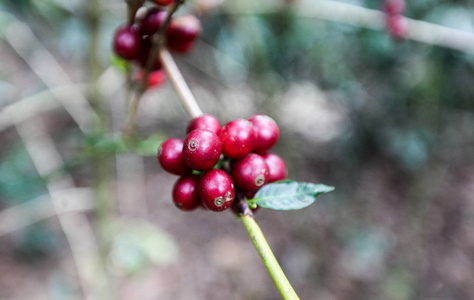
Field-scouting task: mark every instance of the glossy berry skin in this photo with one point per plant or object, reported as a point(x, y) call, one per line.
point(201, 150)
point(216, 190)
point(153, 20)
point(163, 2)
point(250, 173)
point(277, 167)
point(393, 7)
point(207, 122)
point(170, 157)
point(182, 32)
point(238, 138)
point(126, 42)
point(267, 133)
point(185, 193)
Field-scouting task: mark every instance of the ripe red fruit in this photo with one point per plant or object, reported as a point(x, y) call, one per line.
point(202, 149)
point(207, 122)
point(163, 2)
point(277, 167)
point(153, 20)
point(144, 53)
point(267, 133)
point(250, 173)
point(126, 42)
point(397, 26)
point(238, 138)
point(155, 79)
point(216, 190)
point(170, 157)
point(185, 193)
point(182, 32)
point(394, 6)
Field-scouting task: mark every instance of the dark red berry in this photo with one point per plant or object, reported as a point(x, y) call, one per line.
point(126, 42)
point(250, 173)
point(216, 190)
point(276, 166)
point(170, 157)
point(153, 20)
point(182, 32)
point(145, 51)
point(207, 122)
point(238, 138)
point(185, 193)
point(201, 150)
point(397, 26)
point(163, 2)
point(394, 7)
point(267, 133)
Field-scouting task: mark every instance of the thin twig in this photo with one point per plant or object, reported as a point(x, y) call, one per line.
point(179, 84)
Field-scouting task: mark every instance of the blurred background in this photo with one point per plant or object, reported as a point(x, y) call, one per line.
point(389, 122)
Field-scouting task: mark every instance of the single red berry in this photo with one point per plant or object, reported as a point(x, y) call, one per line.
point(126, 42)
point(163, 2)
point(170, 157)
point(394, 7)
point(250, 173)
point(276, 166)
point(216, 190)
point(202, 149)
point(155, 79)
point(238, 138)
point(267, 133)
point(207, 122)
point(185, 193)
point(182, 32)
point(397, 26)
point(153, 20)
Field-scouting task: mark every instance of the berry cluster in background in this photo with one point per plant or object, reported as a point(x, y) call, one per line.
point(216, 163)
point(133, 42)
point(396, 23)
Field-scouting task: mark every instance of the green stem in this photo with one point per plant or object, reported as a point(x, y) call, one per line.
point(276, 273)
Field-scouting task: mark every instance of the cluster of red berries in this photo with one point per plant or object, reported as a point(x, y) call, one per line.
point(396, 23)
point(132, 42)
point(214, 163)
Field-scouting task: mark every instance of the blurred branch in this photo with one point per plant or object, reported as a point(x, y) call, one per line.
point(38, 209)
point(350, 14)
point(179, 84)
point(49, 70)
point(75, 226)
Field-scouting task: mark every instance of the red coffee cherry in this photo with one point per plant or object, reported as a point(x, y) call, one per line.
point(126, 42)
point(216, 190)
point(185, 193)
point(182, 32)
point(207, 122)
point(163, 2)
point(238, 138)
point(397, 26)
point(277, 167)
point(144, 53)
point(394, 7)
point(155, 79)
point(250, 173)
point(153, 20)
point(267, 133)
point(201, 150)
point(170, 157)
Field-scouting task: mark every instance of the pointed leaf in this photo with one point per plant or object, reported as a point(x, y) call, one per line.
point(289, 195)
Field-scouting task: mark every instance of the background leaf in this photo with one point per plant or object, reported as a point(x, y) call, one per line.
point(289, 195)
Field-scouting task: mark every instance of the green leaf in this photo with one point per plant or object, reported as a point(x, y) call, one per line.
point(149, 146)
point(289, 195)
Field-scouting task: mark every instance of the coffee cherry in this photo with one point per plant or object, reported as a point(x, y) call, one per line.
point(144, 53)
point(276, 166)
point(250, 173)
point(216, 190)
point(182, 32)
point(155, 79)
point(202, 149)
point(126, 42)
point(170, 157)
point(267, 133)
point(207, 122)
point(185, 193)
point(397, 26)
point(163, 2)
point(238, 138)
point(394, 7)
point(153, 20)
